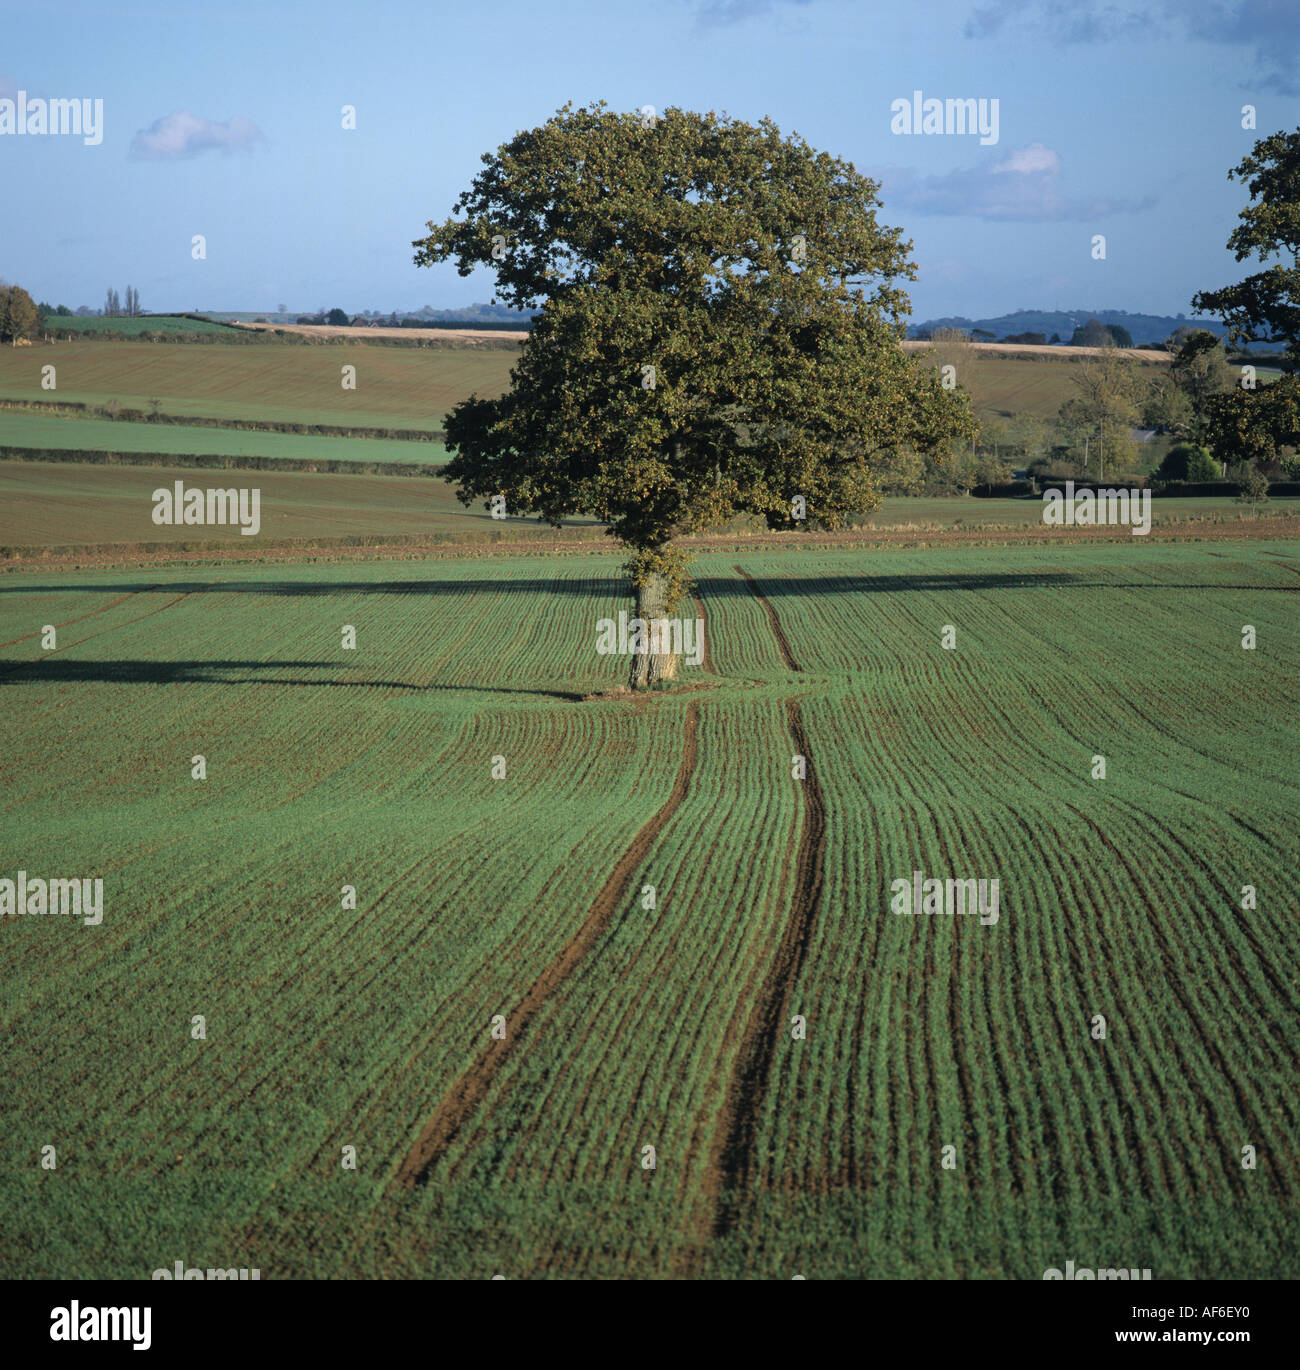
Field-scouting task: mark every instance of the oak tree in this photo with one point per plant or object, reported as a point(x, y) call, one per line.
point(719, 334)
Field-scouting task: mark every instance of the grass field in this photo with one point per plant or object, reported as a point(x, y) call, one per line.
point(329, 1027)
point(48, 504)
point(18, 429)
point(146, 323)
point(396, 387)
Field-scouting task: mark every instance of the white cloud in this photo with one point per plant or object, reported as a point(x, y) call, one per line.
point(183, 134)
point(1022, 186)
point(1030, 160)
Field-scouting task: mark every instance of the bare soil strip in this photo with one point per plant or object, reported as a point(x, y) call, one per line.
point(781, 640)
point(465, 1097)
point(735, 1159)
point(734, 1162)
point(707, 655)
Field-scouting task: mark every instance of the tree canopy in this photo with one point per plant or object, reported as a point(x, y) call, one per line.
point(1265, 306)
point(18, 313)
point(720, 330)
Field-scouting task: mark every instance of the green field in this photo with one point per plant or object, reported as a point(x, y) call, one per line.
point(45, 504)
point(397, 387)
point(19, 429)
point(145, 323)
point(54, 504)
point(1003, 386)
point(329, 1027)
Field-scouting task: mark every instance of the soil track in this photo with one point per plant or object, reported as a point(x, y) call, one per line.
point(734, 1161)
point(465, 1097)
point(103, 608)
point(781, 640)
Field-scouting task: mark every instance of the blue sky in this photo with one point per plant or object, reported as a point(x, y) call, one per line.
point(224, 120)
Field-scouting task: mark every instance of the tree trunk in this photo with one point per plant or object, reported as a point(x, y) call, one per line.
point(649, 667)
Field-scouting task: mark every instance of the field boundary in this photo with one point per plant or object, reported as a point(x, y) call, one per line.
point(219, 461)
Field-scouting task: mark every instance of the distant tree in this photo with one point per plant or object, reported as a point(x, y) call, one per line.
point(1055, 338)
point(1175, 341)
point(338, 318)
point(1105, 406)
point(1200, 369)
point(281, 310)
point(1029, 339)
point(1094, 333)
point(63, 311)
point(18, 314)
point(112, 304)
point(1025, 436)
point(84, 311)
point(1266, 306)
point(1254, 488)
point(720, 330)
point(1188, 461)
point(1167, 409)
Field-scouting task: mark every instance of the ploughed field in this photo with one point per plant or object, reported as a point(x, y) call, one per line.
point(672, 1026)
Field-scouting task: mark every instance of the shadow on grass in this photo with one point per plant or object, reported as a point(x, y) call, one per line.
point(61, 671)
point(591, 587)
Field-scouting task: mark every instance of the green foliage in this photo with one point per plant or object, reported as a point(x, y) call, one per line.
point(1266, 305)
point(667, 565)
point(338, 318)
point(1097, 334)
point(719, 329)
point(1096, 423)
point(1254, 489)
point(1255, 426)
point(1188, 461)
point(18, 314)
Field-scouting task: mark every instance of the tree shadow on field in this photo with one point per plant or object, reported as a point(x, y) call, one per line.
point(707, 586)
point(61, 671)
